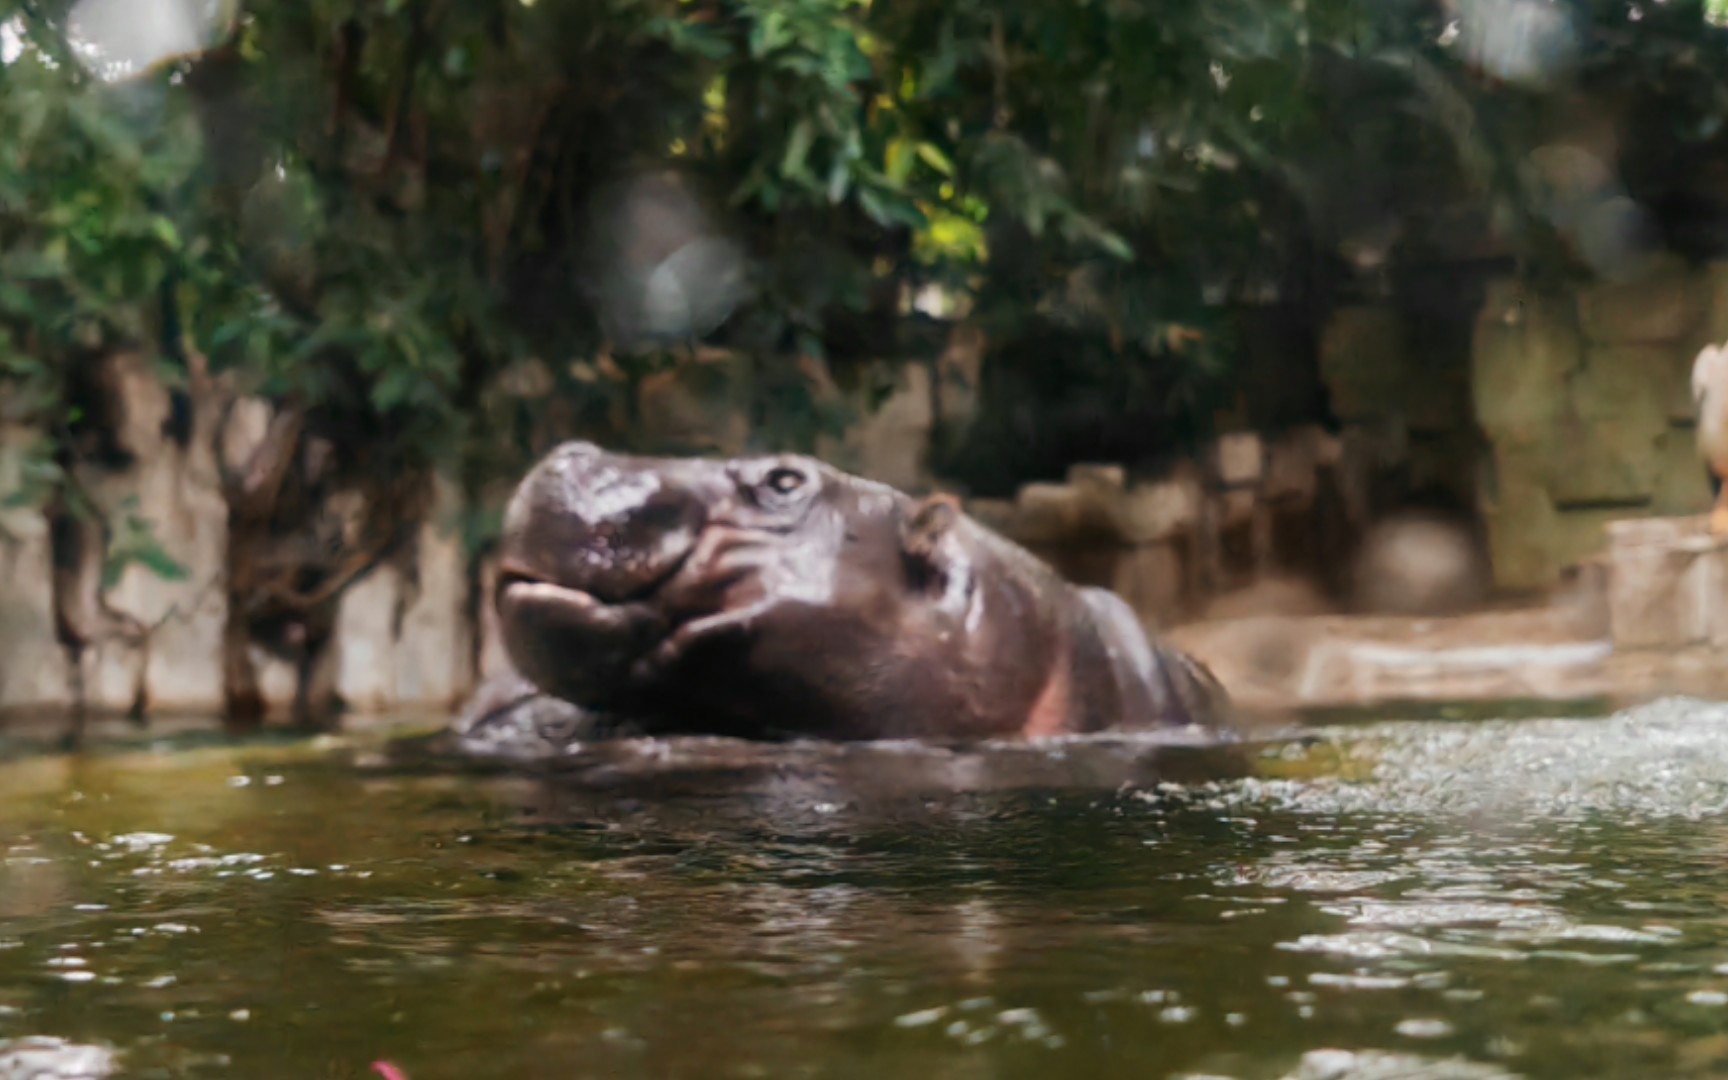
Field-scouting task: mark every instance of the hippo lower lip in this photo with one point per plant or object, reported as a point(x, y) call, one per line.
point(593, 643)
point(533, 590)
point(550, 603)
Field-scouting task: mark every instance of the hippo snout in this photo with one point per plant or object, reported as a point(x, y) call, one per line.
point(606, 524)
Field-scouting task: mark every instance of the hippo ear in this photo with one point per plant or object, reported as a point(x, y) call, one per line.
point(922, 539)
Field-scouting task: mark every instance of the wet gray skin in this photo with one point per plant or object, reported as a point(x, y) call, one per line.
point(1537, 898)
point(778, 597)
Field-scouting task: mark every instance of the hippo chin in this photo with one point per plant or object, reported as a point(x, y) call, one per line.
point(777, 597)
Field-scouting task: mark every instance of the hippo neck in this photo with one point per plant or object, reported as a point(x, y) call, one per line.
point(1054, 712)
point(1061, 704)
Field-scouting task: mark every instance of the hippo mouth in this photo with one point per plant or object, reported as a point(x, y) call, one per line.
point(518, 591)
point(593, 612)
point(515, 580)
point(586, 643)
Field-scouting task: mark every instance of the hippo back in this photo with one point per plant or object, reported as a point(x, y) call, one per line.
point(1154, 686)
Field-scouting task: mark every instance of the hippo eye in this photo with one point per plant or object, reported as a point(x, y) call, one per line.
point(784, 480)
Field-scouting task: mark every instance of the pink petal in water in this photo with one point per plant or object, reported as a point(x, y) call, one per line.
point(388, 1071)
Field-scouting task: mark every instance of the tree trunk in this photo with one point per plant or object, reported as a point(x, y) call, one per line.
point(242, 701)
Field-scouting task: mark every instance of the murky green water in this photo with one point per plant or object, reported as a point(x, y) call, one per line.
point(1533, 898)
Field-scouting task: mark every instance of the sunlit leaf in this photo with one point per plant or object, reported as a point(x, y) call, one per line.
point(797, 149)
point(933, 156)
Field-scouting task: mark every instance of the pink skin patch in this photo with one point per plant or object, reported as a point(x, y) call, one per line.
point(388, 1071)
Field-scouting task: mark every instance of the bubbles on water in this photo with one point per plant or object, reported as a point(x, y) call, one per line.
point(1358, 981)
point(921, 1018)
point(1323, 879)
point(1377, 1065)
point(1474, 863)
point(41, 1056)
point(1023, 1024)
point(1415, 1028)
point(138, 841)
point(194, 863)
point(1381, 945)
point(1663, 761)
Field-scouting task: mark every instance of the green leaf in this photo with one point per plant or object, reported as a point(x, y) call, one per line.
point(768, 34)
point(1116, 246)
point(898, 158)
point(797, 150)
point(135, 542)
point(933, 156)
point(394, 388)
point(839, 180)
point(166, 232)
point(36, 265)
point(160, 563)
point(16, 301)
point(890, 208)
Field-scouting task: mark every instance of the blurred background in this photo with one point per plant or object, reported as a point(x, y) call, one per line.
point(1240, 307)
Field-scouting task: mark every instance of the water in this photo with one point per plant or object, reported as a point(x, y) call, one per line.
point(1531, 898)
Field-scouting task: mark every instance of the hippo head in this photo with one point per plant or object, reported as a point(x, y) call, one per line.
point(756, 596)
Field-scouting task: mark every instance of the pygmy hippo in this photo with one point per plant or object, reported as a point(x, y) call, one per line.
point(777, 597)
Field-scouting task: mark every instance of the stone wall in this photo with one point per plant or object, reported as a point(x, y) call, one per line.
point(1385, 374)
point(1566, 409)
point(1666, 581)
point(32, 665)
point(1248, 509)
point(403, 637)
point(1548, 416)
point(1585, 403)
point(176, 487)
point(404, 633)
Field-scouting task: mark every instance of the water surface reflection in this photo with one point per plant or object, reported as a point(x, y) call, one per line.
point(1534, 898)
